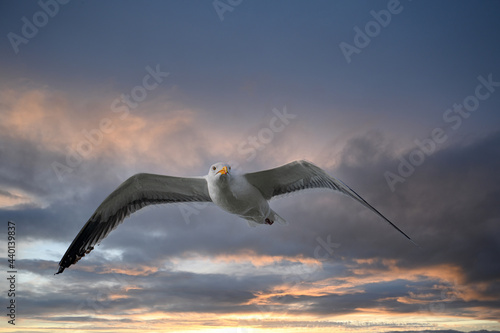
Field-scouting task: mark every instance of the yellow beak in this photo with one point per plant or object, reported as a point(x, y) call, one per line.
point(223, 170)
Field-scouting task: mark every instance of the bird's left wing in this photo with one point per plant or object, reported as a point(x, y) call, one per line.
point(138, 191)
point(300, 175)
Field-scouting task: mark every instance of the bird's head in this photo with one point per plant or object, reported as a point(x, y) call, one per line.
point(219, 171)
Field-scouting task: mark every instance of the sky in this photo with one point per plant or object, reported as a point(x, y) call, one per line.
point(398, 99)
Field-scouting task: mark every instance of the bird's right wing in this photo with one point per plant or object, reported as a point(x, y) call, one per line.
point(294, 176)
point(300, 175)
point(138, 191)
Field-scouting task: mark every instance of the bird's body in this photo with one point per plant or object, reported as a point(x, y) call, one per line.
point(245, 195)
point(234, 194)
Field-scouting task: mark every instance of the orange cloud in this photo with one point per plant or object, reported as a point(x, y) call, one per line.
point(259, 260)
point(36, 115)
point(160, 133)
point(12, 199)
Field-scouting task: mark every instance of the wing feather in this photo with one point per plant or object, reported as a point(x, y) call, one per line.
point(300, 175)
point(138, 191)
point(291, 177)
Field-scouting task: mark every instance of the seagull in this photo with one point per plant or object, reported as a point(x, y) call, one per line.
point(245, 195)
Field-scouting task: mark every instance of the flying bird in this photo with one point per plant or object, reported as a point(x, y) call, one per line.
point(245, 195)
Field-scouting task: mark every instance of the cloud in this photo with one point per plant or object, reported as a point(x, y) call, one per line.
point(14, 201)
point(215, 263)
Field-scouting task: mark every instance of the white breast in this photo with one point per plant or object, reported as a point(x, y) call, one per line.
point(239, 197)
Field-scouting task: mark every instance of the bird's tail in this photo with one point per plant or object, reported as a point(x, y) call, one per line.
point(275, 217)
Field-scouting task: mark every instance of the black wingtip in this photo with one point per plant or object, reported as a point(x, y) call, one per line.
point(61, 269)
point(360, 199)
point(415, 243)
point(404, 234)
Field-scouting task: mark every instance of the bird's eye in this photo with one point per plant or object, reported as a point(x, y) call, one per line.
point(229, 167)
point(214, 168)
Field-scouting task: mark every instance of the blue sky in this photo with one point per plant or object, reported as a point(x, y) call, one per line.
point(411, 123)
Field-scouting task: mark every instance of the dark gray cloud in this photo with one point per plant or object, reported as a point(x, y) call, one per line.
point(448, 206)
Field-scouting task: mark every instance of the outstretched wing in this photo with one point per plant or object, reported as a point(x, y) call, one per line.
point(300, 175)
point(138, 191)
